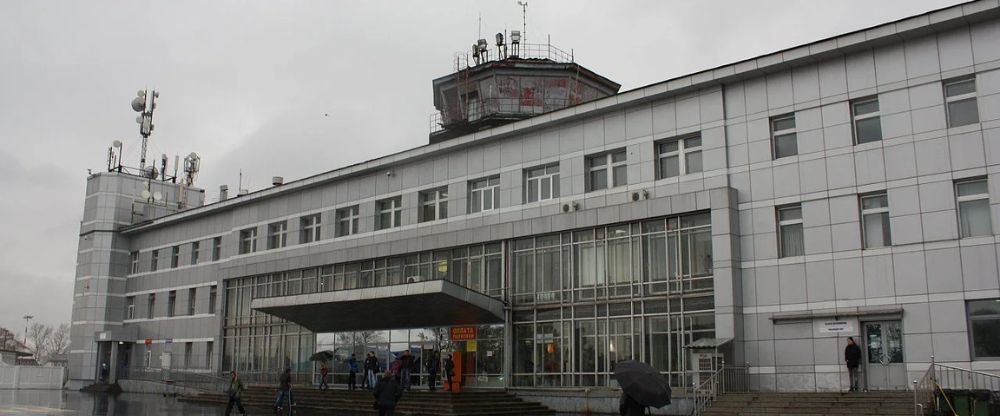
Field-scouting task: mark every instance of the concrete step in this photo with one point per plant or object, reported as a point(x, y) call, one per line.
point(877, 403)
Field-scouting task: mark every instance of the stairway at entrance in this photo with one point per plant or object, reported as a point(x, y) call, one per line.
point(881, 403)
point(336, 402)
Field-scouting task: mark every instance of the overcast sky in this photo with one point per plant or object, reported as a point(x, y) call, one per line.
point(248, 85)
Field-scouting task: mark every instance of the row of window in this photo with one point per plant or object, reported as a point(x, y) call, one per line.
point(972, 199)
point(961, 108)
point(171, 303)
point(175, 256)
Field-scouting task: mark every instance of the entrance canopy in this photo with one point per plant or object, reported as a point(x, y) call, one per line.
point(412, 305)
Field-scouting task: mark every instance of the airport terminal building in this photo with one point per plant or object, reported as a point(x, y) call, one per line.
point(758, 213)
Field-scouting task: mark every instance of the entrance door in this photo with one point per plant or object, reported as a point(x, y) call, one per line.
point(884, 365)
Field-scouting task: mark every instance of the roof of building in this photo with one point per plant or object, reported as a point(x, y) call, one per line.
point(891, 32)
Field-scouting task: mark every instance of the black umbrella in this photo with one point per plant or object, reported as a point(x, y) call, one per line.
point(322, 356)
point(643, 383)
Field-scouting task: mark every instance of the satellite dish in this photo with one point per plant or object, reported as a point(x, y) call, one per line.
point(145, 194)
point(139, 104)
point(117, 144)
point(157, 195)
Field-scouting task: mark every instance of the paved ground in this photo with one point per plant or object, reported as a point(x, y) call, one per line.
point(73, 403)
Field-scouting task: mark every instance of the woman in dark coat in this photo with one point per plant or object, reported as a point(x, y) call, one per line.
point(387, 393)
point(627, 406)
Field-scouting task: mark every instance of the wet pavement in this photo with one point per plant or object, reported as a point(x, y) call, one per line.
point(73, 403)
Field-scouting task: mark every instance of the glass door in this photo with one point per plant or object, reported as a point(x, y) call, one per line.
point(885, 368)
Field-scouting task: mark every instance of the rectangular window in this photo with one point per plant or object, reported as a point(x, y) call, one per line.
point(434, 204)
point(192, 294)
point(973, 208)
point(607, 170)
point(212, 293)
point(130, 309)
point(875, 220)
point(175, 256)
point(277, 235)
point(216, 248)
point(150, 305)
point(347, 221)
point(984, 328)
point(310, 226)
point(390, 213)
point(484, 194)
point(171, 302)
point(188, 348)
point(209, 350)
point(194, 252)
point(678, 156)
point(541, 183)
point(134, 262)
point(867, 120)
point(783, 138)
point(960, 101)
point(154, 261)
point(248, 240)
point(790, 243)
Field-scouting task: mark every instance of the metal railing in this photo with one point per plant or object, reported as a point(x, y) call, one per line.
point(204, 381)
point(465, 60)
point(733, 379)
point(939, 377)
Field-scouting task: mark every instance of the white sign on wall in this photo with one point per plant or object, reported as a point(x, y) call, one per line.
point(833, 327)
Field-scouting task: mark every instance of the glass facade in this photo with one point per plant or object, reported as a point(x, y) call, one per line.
point(581, 300)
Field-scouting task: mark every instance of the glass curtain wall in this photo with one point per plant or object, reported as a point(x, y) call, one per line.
point(587, 299)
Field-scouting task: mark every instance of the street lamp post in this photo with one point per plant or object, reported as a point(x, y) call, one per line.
point(27, 320)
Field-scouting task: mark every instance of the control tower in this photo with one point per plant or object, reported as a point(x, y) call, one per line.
point(500, 83)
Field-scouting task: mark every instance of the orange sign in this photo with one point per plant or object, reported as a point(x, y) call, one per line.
point(463, 333)
point(149, 341)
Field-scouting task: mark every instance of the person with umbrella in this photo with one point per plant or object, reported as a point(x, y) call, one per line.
point(642, 386)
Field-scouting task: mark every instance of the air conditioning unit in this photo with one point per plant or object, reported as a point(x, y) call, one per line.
point(641, 194)
point(570, 207)
point(414, 279)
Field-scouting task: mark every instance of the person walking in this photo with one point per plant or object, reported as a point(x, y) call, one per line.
point(852, 355)
point(235, 394)
point(627, 406)
point(449, 370)
point(432, 365)
point(405, 368)
point(387, 394)
point(371, 368)
point(352, 368)
point(284, 390)
point(323, 371)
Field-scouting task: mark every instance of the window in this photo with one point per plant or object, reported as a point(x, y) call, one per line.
point(347, 221)
point(171, 302)
point(192, 294)
point(790, 241)
point(434, 204)
point(678, 157)
point(134, 262)
point(783, 137)
point(541, 183)
point(960, 101)
point(310, 226)
point(216, 248)
point(130, 309)
point(175, 256)
point(212, 293)
point(484, 194)
point(277, 235)
point(973, 208)
point(188, 362)
point(390, 213)
point(194, 252)
point(154, 261)
point(150, 305)
point(875, 220)
point(984, 328)
point(209, 350)
point(867, 123)
point(607, 170)
point(248, 240)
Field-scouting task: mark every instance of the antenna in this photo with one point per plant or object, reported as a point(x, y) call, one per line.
point(524, 20)
point(145, 107)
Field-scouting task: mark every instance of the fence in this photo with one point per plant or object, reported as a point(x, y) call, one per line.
point(939, 377)
point(31, 377)
point(733, 379)
point(198, 381)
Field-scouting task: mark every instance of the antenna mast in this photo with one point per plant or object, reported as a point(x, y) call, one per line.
point(524, 20)
point(144, 107)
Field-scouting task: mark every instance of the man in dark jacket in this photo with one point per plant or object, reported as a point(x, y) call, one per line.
point(449, 370)
point(388, 391)
point(405, 366)
point(284, 390)
point(352, 366)
point(432, 366)
point(852, 355)
point(627, 406)
point(235, 394)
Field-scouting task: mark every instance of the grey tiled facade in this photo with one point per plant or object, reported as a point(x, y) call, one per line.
point(772, 295)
